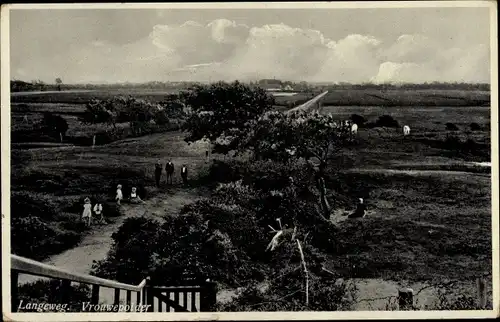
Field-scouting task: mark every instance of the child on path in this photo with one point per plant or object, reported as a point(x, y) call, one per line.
point(87, 212)
point(119, 194)
point(98, 213)
point(134, 197)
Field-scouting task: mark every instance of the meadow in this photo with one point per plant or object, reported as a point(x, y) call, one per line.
point(429, 206)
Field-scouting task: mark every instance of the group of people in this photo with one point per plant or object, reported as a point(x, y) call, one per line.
point(87, 212)
point(134, 196)
point(169, 169)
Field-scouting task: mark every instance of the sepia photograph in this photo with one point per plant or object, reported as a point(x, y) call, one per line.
point(218, 161)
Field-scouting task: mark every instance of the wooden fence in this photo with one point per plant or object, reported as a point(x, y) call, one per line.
point(200, 298)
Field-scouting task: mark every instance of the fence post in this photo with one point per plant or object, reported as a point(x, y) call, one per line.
point(481, 290)
point(208, 296)
point(405, 299)
point(149, 295)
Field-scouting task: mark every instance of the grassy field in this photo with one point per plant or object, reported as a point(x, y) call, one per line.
point(432, 223)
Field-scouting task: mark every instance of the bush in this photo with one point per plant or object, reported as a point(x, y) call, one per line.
point(161, 117)
point(475, 127)
point(30, 236)
point(452, 142)
point(54, 124)
point(386, 121)
point(358, 119)
point(451, 127)
point(25, 205)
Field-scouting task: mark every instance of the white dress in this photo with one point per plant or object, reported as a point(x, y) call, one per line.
point(119, 194)
point(87, 210)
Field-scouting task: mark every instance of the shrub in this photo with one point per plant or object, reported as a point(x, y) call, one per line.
point(386, 121)
point(54, 124)
point(452, 142)
point(25, 205)
point(358, 119)
point(475, 127)
point(451, 127)
point(30, 236)
point(161, 117)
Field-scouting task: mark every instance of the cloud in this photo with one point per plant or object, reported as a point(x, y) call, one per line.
point(223, 49)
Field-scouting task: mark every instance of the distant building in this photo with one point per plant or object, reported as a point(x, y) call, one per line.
point(271, 85)
point(288, 88)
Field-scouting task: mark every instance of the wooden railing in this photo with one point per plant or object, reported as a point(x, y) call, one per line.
point(194, 298)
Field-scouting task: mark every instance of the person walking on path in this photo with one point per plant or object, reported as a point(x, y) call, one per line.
point(98, 213)
point(184, 174)
point(87, 212)
point(158, 170)
point(119, 194)
point(169, 169)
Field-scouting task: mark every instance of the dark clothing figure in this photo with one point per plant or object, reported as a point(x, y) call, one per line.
point(184, 174)
point(360, 211)
point(169, 169)
point(158, 170)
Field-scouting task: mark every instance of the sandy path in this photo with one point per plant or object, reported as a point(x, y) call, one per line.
point(96, 245)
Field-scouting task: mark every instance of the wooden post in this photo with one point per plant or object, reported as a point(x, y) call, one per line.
point(167, 294)
point(117, 296)
point(129, 298)
point(65, 291)
point(405, 298)
point(14, 294)
point(208, 296)
point(95, 294)
point(481, 290)
point(138, 298)
point(149, 295)
point(193, 301)
point(185, 299)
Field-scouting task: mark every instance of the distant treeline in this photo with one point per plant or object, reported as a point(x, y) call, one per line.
point(21, 86)
point(433, 85)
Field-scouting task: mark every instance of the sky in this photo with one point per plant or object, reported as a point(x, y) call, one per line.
point(319, 45)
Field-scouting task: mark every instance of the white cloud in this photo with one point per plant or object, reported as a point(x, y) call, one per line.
point(223, 49)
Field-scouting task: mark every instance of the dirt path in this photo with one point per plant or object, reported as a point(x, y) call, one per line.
point(95, 246)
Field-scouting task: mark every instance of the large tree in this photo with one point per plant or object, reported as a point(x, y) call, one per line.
point(223, 113)
point(310, 136)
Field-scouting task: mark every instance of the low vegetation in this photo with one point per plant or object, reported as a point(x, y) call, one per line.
point(294, 174)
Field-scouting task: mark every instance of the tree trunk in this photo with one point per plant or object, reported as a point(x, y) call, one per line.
point(61, 136)
point(325, 205)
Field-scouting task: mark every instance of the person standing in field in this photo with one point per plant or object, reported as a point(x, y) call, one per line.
point(184, 174)
point(98, 212)
point(119, 194)
point(87, 211)
point(169, 169)
point(158, 170)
